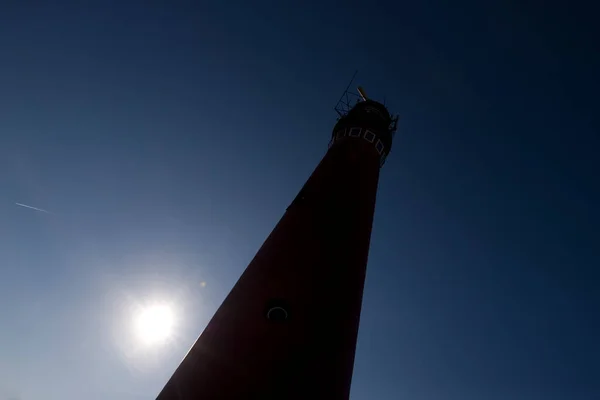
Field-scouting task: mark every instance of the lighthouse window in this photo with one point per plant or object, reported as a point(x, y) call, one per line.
point(370, 136)
point(379, 146)
point(355, 132)
point(277, 310)
point(277, 314)
point(340, 134)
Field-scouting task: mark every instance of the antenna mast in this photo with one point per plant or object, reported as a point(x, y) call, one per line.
point(348, 98)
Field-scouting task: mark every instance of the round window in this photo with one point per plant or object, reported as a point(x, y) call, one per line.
point(277, 314)
point(277, 310)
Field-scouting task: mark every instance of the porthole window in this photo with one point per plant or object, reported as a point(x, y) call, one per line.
point(379, 146)
point(369, 136)
point(277, 310)
point(277, 314)
point(355, 132)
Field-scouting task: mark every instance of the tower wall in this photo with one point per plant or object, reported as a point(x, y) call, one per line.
point(288, 328)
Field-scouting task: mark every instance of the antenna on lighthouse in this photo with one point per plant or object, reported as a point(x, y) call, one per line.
point(349, 99)
point(362, 93)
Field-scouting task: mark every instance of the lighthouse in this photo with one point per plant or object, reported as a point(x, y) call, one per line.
point(288, 328)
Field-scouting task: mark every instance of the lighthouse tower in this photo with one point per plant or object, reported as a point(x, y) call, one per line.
point(288, 328)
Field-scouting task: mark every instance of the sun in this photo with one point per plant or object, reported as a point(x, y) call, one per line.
point(154, 324)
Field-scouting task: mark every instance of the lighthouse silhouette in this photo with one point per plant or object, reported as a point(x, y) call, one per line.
point(288, 328)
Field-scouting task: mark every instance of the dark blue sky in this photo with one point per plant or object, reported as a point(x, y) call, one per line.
point(167, 140)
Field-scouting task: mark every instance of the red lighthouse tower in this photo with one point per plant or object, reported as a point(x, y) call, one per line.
point(288, 328)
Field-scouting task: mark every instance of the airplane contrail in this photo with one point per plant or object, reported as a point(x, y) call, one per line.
point(33, 208)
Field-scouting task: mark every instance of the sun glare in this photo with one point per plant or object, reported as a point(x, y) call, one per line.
point(154, 324)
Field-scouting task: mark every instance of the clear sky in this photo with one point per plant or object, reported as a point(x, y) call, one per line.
point(167, 140)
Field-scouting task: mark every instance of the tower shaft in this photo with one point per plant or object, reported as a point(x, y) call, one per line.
point(288, 328)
